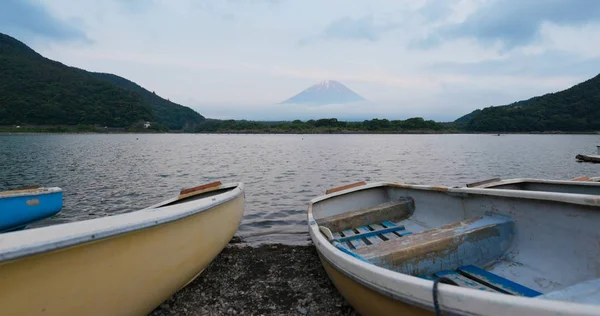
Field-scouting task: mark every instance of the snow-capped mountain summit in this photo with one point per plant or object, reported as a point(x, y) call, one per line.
point(325, 92)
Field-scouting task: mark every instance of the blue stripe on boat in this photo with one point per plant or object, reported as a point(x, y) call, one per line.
point(372, 239)
point(463, 281)
point(497, 282)
point(372, 233)
point(426, 277)
point(389, 224)
point(345, 250)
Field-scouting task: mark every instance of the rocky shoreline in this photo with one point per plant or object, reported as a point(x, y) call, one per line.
point(271, 279)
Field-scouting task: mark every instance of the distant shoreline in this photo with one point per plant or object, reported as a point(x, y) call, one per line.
point(88, 129)
point(297, 133)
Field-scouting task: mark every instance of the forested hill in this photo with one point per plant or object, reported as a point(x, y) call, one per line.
point(171, 114)
point(576, 109)
point(39, 91)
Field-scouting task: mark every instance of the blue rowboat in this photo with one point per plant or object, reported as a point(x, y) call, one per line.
point(21, 207)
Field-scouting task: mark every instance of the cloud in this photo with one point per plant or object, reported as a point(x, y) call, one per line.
point(211, 10)
point(434, 10)
point(545, 64)
point(186, 52)
point(347, 28)
point(26, 20)
point(516, 23)
point(135, 6)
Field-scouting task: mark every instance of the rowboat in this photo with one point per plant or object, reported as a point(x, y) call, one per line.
point(118, 265)
point(588, 158)
point(21, 207)
point(398, 249)
point(580, 185)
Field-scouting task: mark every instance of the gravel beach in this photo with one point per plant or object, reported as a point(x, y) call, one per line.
point(270, 279)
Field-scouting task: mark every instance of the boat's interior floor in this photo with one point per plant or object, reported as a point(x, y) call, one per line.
point(383, 243)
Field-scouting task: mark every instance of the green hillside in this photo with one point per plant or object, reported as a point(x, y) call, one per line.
point(171, 114)
point(39, 91)
point(576, 109)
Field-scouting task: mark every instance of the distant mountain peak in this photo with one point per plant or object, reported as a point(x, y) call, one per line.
point(325, 92)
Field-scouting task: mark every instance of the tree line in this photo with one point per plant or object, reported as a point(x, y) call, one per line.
point(326, 125)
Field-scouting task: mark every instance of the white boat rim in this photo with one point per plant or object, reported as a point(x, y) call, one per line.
point(27, 242)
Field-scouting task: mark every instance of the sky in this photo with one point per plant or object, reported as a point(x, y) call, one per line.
point(437, 59)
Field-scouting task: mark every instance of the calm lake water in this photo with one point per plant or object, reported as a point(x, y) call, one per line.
point(103, 175)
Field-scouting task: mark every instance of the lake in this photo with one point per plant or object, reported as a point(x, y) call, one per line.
point(103, 175)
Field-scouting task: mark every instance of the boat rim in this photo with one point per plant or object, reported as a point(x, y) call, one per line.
point(572, 198)
point(534, 180)
point(389, 280)
point(29, 192)
point(14, 245)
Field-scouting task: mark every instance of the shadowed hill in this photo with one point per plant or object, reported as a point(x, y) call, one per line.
point(39, 91)
point(574, 109)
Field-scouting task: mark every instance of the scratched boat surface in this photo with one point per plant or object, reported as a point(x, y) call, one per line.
point(502, 252)
point(585, 186)
point(118, 265)
point(21, 207)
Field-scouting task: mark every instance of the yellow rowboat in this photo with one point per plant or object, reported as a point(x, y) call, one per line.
point(399, 249)
point(118, 265)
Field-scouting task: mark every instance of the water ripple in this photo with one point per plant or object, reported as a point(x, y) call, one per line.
point(103, 175)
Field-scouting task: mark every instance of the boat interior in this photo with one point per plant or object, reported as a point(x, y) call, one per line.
point(509, 245)
point(577, 187)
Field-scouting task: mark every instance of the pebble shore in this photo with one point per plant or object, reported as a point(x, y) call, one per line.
point(271, 279)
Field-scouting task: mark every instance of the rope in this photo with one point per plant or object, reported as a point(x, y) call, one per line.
point(436, 304)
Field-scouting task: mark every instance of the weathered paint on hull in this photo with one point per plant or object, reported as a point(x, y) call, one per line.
point(19, 211)
point(129, 274)
point(367, 301)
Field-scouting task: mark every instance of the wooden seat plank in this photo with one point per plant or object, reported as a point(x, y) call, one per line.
point(373, 239)
point(402, 233)
point(497, 282)
point(463, 281)
point(389, 236)
point(395, 210)
point(372, 233)
point(356, 243)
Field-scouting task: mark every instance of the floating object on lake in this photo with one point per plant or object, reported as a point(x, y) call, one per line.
point(21, 207)
point(124, 264)
point(588, 158)
point(500, 252)
point(580, 185)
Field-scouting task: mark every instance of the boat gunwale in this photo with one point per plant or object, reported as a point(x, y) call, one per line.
point(111, 226)
point(572, 198)
point(492, 185)
point(401, 287)
point(29, 192)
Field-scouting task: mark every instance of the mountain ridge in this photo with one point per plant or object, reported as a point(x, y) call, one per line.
point(573, 109)
point(40, 91)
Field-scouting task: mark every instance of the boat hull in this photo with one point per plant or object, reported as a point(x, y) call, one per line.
point(558, 186)
point(21, 209)
point(127, 274)
point(587, 158)
point(373, 280)
point(365, 300)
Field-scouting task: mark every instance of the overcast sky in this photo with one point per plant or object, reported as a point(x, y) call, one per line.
point(437, 59)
